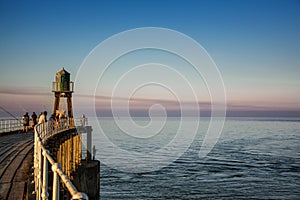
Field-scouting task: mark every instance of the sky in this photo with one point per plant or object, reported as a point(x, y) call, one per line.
point(255, 45)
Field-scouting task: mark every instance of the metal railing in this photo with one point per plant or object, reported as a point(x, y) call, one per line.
point(42, 158)
point(9, 125)
point(62, 86)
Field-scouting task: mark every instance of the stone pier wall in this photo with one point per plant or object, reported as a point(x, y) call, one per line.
point(66, 148)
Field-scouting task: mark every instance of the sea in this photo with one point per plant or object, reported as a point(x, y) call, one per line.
point(254, 158)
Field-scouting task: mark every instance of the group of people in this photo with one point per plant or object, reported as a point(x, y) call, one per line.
point(34, 120)
point(29, 123)
point(55, 117)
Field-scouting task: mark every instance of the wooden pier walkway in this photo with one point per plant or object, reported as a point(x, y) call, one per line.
point(16, 154)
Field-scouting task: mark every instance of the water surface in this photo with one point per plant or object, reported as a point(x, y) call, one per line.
point(255, 158)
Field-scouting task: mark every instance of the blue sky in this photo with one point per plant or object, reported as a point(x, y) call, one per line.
point(255, 44)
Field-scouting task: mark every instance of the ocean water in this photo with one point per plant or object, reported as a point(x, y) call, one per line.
point(255, 158)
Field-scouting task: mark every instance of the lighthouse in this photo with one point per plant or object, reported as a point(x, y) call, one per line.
point(62, 87)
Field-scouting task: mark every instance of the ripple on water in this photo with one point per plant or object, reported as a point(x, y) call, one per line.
point(252, 160)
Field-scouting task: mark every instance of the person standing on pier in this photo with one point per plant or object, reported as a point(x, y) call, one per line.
point(25, 119)
point(34, 119)
point(42, 117)
point(45, 113)
point(83, 119)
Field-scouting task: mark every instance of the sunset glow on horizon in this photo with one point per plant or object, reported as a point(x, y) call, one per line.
point(254, 44)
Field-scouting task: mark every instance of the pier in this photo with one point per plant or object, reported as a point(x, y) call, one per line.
point(33, 166)
point(48, 162)
point(16, 154)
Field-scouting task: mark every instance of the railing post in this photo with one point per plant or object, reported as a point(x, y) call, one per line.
point(80, 196)
point(45, 176)
point(89, 143)
point(35, 162)
point(55, 190)
point(80, 147)
point(40, 168)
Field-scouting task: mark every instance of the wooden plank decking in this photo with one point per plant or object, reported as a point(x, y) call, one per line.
point(16, 151)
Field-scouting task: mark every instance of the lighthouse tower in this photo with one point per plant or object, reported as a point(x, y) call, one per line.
point(62, 87)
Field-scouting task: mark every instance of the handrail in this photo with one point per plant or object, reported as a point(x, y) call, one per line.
point(42, 157)
point(9, 125)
